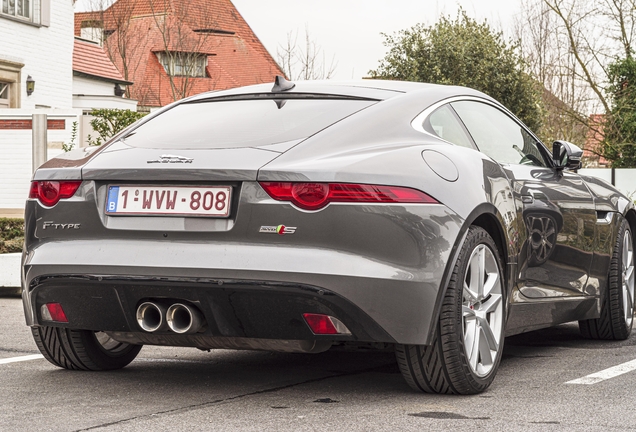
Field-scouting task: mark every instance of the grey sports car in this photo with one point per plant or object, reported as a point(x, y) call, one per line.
point(312, 215)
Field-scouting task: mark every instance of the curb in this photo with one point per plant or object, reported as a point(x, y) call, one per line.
point(10, 273)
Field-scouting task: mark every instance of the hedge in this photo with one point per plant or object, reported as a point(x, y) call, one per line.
point(11, 235)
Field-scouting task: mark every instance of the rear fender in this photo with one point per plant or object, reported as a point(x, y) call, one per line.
point(488, 210)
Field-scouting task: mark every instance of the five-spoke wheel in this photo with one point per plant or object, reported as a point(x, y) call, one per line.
point(482, 310)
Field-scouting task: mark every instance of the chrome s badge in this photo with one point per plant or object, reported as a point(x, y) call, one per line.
point(280, 230)
point(171, 159)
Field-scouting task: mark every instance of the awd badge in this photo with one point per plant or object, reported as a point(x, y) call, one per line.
point(280, 229)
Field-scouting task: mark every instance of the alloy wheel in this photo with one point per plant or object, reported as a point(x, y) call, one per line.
point(482, 310)
point(627, 274)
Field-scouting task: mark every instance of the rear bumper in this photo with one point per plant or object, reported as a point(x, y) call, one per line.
point(231, 308)
point(378, 301)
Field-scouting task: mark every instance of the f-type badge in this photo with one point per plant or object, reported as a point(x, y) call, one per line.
point(171, 159)
point(66, 226)
point(280, 229)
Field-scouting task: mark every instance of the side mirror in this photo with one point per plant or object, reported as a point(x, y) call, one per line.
point(566, 156)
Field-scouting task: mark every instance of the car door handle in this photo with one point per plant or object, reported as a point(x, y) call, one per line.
point(527, 199)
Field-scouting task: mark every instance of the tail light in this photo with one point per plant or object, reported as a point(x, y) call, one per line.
point(314, 196)
point(50, 192)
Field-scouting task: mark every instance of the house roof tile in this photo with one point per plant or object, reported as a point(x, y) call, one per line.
point(235, 56)
point(91, 59)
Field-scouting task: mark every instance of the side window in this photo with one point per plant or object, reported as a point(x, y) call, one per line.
point(444, 123)
point(498, 135)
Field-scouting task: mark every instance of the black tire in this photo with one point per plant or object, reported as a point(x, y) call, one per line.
point(81, 349)
point(444, 367)
point(613, 324)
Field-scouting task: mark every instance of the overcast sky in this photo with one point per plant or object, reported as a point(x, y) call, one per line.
point(349, 30)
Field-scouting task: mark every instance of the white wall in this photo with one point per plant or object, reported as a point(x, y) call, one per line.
point(16, 153)
point(92, 87)
point(97, 102)
point(89, 94)
point(47, 55)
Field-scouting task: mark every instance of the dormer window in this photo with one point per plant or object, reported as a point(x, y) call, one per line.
point(186, 64)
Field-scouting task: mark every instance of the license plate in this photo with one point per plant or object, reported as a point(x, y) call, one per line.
point(211, 201)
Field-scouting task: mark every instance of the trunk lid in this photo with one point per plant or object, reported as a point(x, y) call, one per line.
point(121, 162)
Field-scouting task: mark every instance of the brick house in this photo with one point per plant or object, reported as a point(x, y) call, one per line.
point(593, 140)
point(176, 48)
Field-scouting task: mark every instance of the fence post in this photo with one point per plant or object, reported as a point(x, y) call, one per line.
point(613, 176)
point(39, 129)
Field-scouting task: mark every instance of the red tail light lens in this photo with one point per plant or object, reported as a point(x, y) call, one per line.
point(310, 195)
point(50, 192)
point(325, 324)
point(314, 196)
point(53, 312)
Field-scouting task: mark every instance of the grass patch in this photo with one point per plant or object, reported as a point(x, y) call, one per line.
point(11, 235)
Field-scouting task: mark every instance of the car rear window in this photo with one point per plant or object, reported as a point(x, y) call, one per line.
point(241, 123)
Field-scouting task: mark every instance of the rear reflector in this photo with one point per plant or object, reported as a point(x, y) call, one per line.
point(50, 193)
point(53, 312)
point(325, 324)
point(314, 196)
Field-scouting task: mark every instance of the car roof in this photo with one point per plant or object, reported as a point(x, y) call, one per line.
point(364, 88)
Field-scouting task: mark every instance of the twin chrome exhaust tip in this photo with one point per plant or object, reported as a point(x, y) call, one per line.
point(180, 318)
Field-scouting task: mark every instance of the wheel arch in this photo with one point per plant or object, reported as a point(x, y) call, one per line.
point(487, 217)
point(489, 222)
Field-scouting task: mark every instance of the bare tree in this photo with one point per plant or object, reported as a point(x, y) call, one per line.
point(124, 38)
point(185, 31)
point(568, 45)
point(179, 34)
point(549, 61)
point(305, 61)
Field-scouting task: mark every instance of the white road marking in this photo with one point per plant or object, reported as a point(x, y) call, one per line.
point(23, 358)
point(606, 374)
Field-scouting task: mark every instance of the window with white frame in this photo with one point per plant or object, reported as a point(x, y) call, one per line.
point(177, 63)
point(26, 10)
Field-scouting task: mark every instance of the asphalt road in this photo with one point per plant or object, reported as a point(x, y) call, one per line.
point(170, 389)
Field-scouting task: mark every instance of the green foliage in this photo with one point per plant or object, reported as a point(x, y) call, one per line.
point(108, 122)
point(467, 53)
point(619, 144)
point(68, 147)
point(11, 235)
